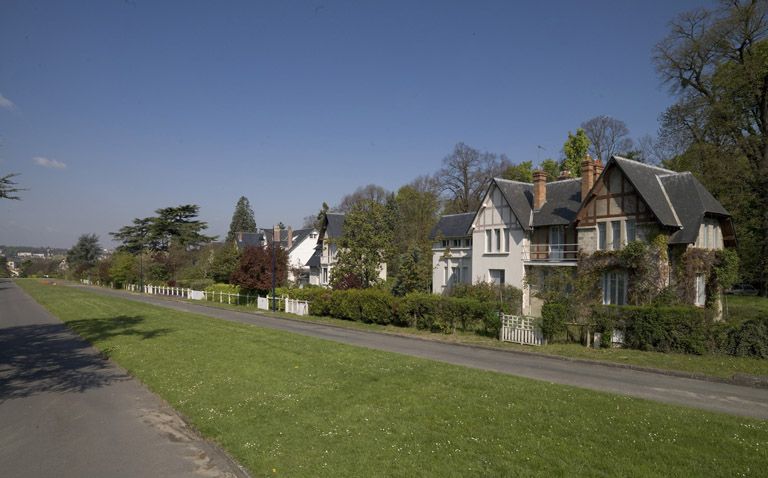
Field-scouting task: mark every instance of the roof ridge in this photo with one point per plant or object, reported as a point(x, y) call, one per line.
point(669, 202)
point(512, 181)
point(650, 166)
point(458, 214)
point(563, 180)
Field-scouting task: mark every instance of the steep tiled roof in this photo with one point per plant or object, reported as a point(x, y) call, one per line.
point(335, 224)
point(563, 202)
point(453, 225)
point(692, 202)
point(519, 196)
point(646, 180)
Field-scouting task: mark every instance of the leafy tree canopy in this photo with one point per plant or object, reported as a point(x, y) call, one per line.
point(84, 254)
point(254, 271)
point(716, 62)
point(522, 172)
point(364, 244)
point(171, 225)
point(575, 150)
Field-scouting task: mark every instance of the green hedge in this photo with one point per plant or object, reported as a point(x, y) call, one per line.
point(662, 329)
point(424, 311)
point(683, 329)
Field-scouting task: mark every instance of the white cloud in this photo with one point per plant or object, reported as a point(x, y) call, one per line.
point(48, 163)
point(5, 103)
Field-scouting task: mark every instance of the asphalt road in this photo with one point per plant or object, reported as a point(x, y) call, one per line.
point(67, 412)
point(706, 395)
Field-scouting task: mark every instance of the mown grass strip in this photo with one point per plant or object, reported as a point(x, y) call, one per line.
point(715, 365)
point(290, 405)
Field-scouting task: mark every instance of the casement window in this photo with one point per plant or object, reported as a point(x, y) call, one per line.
point(325, 275)
point(457, 243)
point(444, 243)
point(601, 236)
point(615, 235)
point(468, 242)
point(701, 290)
point(497, 232)
point(496, 276)
point(631, 227)
point(455, 275)
point(556, 241)
point(615, 288)
point(488, 240)
point(506, 239)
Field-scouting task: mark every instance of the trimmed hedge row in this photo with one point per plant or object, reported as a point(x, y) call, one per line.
point(424, 311)
point(683, 329)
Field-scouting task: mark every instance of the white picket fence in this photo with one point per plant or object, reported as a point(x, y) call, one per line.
point(520, 329)
point(298, 307)
point(292, 306)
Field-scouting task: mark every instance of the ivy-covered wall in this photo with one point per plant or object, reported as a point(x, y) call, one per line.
point(657, 274)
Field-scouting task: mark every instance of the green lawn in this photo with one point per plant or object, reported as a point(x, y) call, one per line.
point(723, 366)
point(289, 405)
point(740, 308)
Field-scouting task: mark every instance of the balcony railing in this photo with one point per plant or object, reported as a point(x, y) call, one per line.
point(551, 253)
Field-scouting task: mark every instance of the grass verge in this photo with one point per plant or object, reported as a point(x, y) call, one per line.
point(716, 365)
point(290, 405)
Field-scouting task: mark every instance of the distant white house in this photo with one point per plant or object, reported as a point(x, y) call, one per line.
point(299, 243)
point(325, 256)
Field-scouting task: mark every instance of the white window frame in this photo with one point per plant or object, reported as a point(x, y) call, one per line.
point(501, 276)
point(614, 285)
point(700, 299)
point(488, 240)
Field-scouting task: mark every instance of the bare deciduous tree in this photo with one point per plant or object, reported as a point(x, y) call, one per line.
point(466, 174)
point(608, 136)
point(8, 187)
point(370, 192)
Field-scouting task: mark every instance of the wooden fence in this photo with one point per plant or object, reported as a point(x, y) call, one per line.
point(520, 329)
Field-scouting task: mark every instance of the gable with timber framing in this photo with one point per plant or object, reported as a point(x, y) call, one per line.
point(613, 196)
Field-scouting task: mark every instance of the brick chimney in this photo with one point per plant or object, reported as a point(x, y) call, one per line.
point(598, 168)
point(289, 243)
point(276, 235)
point(564, 174)
point(539, 189)
point(587, 176)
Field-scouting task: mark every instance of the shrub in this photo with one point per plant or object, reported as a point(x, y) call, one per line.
point(554, 317)
point(223, 288)
point(663, 329)
point(508, 297)
point(749, 339)
point(195, 284)
point(377, 306)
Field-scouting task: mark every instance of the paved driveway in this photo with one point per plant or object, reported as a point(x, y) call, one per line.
point(713, 396)
point(66, 412)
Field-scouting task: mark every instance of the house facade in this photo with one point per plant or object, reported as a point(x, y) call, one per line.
point(524, 231)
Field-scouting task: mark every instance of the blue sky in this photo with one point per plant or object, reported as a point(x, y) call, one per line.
point(112, 109)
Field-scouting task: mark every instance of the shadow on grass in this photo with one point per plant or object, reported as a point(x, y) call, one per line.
point(50, 358)
point(96, 330)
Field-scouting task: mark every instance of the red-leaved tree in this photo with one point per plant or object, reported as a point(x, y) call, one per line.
point(254, 272)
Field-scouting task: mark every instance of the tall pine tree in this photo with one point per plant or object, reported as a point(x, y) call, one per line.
point(242, 219)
